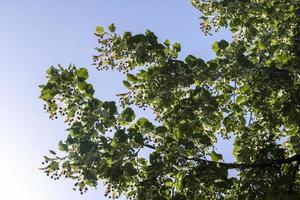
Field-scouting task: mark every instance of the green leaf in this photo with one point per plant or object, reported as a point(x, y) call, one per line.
point(86, 88)
point(85, 146)
point(223, 44)
point(240, 99)
point(129, 168)
point(282, 56)
point(113, 143)
point(53, 166)
point(138, 138)
point(52, 71)
point(229, 123)
point(89, 91)
point(120, 135)
point(234, 23)
point(82, 74)
point(75, 132)
point(130, 77)
point(244, 89)
point(100, 30)
point(81, 86)
point(127, 84)
point(112, 28)
point(293, 131)
point(236, 147)
point(110, 106)
point(206, 140)
point(127, 116)
point(142, 121)
point(167, 42)
point(161, 129)
point(174, 53)
point(185, 129)
point(177, 47)
point(261, 45)
point(62, 146)
point(151, 36)
point(273, 42)
point(168, 183)
point(215, 47)
point(216, 156)
point(47, 95)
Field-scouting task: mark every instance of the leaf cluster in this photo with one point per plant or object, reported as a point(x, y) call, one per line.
point(249, 92)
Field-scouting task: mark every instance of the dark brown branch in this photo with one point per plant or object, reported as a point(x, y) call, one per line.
point(269, 163)
point(149, 146)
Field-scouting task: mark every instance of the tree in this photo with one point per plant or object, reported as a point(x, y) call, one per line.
point(249, 92)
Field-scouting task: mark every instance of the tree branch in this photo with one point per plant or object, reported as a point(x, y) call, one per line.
point(268, 163)
point(149, 146)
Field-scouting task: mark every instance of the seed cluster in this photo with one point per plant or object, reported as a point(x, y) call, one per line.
point(80, 186)
point(110, 191)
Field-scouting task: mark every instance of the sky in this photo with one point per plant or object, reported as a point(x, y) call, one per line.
point(36, 34)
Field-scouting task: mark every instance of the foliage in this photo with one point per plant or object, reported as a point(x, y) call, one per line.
point(249, 92)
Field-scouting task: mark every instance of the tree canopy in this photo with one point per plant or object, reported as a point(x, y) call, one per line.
point(250, 92)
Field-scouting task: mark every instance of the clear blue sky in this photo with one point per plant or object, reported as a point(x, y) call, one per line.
point(36, 34)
